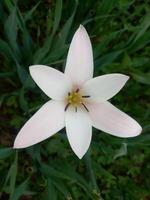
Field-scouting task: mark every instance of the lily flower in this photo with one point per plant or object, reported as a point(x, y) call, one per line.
point(78, 101)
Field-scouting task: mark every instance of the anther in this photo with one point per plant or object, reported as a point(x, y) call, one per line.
point(85, 107)
point(67, 106)
point(76, 109)
point(68, 93)
point(86, 96)
point(77, 90)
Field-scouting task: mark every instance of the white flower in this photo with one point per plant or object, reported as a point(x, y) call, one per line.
point(78, 101)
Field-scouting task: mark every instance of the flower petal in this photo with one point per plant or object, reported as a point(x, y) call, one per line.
point(79, 64)
point(104, 87)
point(79, 130)
point(51, 81)
point(48, 120)
point(110, 119)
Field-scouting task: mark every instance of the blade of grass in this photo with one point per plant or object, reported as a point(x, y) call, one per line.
point(57, 18)
point(11, 30)
point(13, 176)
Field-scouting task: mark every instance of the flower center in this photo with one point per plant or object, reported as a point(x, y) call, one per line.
point(75, 99)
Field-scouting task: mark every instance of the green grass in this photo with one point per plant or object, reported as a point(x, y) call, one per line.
point(35, 32)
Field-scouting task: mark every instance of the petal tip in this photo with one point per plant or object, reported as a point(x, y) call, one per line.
point(81, 28)
point(19, 144)
point(32, 67)
point(16, 146)
point(79, 156)
point(139, 131)
point(126, 77)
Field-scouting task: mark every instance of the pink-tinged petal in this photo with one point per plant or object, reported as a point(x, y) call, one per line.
point(104, 87)
point(79, 64)
point(53, 82)
point(79, 130)
point(47, 121)
point(110, 119)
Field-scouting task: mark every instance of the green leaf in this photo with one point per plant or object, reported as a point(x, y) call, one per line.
point(9, 4)
point(22, 100)
point(6, 152)
point(11, 30)
point(6, 50)
point(26, 39)
point(143, 139)
point(6, 74)
point(51, 191)
point(51, 172)
point(20, 190)
point(65, 30)
point(9, 54)
point(62, 188)
point(42, 52)
point(107, 6)
point(121, 152)
point(28, 14)
point(143, 27)
point(108, 58)
point(57, 18)
point(13, 175)
point(142, 77)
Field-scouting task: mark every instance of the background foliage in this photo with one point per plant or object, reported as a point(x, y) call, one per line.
point(39, 33)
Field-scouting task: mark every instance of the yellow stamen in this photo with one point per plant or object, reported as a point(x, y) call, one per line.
point(75, 99)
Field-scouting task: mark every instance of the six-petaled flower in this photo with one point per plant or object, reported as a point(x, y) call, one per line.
point(78, 101)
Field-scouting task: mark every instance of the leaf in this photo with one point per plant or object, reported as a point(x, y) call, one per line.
point(51, 191)
point(42, 52)
point(26, 39)
point(46, 54)
point(11, 29)
point(62, 188)
point(108, 58)
point(88, 163)
point(9, 54)
point(6, 152)
point(107, 6)
point(22, 100)
point(6, 74)
point(57, 18)
point(142, 77)
point(20, 190)
point(6, 50)
point(121, 152)
point(11, 177)
point(29, 14)
point(139, 44)
point(103, 44)
point(74, 176)
point(9, 4)
point(22, 73)
point(2, 14)
point(65, 30)
point(142, 36)
point(143, 139)
point(143, 27)
point(51, 172)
